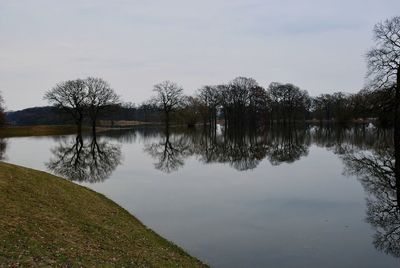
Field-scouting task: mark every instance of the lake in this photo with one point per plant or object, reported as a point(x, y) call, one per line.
point(301, 197)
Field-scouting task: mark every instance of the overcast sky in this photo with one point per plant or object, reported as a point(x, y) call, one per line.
point(318, 45)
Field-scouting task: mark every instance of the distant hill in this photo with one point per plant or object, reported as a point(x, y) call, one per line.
point(49, 115)
point(46, 115)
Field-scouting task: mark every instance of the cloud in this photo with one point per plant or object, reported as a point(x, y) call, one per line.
point(318, 45)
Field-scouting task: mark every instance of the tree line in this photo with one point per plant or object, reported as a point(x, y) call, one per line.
point(237, 103)
point(243, 102)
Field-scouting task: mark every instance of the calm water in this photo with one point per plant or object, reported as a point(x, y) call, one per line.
point(309, 197)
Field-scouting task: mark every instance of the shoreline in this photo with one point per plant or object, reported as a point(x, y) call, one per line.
point(38, 130)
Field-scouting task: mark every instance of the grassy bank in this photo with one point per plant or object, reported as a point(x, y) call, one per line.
point(49, 221)
point(24, 131)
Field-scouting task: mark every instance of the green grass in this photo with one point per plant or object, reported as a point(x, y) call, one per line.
point(49, 221)
point(24, 131)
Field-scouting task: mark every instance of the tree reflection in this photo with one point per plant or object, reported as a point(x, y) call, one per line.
point(339, 139)
point(3, 147)
point(288, 145)
point(367, 153)
point(169, 152)
point(82, 161)
point(376, 171)
point(241, 149)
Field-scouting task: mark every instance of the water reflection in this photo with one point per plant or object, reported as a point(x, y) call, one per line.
point(376, 171)
point(288, 145)
point(241, 149)
point(84, 160)
point(369, 155)
point(366, 153)
point(3, 147)
point(169, 151)
point(362, 138)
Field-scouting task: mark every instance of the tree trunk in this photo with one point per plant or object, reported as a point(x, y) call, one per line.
point(397, 135)
point(94, 127)
point(79, 142)
point(79, 128)
point(167, 119)
point(79, 120)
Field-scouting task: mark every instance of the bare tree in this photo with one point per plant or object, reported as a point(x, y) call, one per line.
point(99, 96)
point(258, 107)
point(71, 97)
point(210, 99)
point(190, 111)
point(1, 101)
point(235, 100)
point(288, 102)
point(82, 97)
point(2, 115)
point(168, 97)
point(384, 69)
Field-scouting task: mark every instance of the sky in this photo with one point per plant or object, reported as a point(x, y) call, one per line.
point(318, 45)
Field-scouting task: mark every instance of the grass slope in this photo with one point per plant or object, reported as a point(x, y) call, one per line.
point(49, 221)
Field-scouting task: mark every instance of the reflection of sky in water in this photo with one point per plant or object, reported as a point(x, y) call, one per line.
point(302, 214)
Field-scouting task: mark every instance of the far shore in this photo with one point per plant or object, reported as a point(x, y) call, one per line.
point(38, 130)
point(50, 130)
